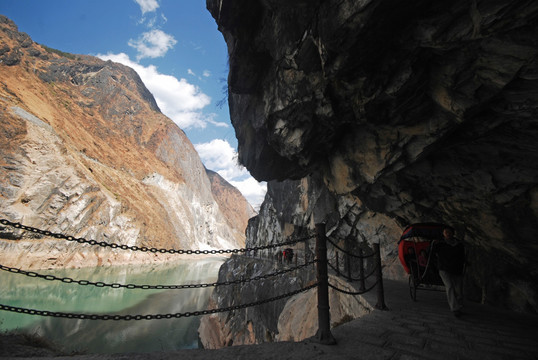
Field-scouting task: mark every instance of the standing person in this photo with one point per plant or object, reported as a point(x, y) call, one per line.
point(450, 254)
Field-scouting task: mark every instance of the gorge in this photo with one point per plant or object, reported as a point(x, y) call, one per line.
point(366, 116)
point(85, 151)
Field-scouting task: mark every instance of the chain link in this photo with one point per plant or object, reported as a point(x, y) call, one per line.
point(148, 317)
point(188, 286)
point(349, 253)
point(354, 292)
point(347, 277)
point(150, 287)
point(150, 249)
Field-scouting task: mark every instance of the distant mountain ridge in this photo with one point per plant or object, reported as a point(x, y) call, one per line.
point(85, 151)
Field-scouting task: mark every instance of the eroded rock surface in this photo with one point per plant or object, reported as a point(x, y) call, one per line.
point(371, 115)
point(85, 151)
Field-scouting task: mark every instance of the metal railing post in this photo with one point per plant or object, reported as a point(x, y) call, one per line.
point(337, 264)
point(379, 277)
point(324, 334)
point(362, 285)
point(347, 267)
point(347, 258)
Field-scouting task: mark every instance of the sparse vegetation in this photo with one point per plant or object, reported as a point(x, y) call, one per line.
point(67, 105)
point(59, 52)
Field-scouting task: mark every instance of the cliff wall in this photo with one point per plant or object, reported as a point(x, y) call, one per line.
point(372, 115)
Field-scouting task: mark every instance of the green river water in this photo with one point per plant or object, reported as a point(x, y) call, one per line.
point(111, 336)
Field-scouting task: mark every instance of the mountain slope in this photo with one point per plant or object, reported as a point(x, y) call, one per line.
point(232, 203)
point(85, 151)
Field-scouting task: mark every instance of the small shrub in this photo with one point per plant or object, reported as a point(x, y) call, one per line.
point(61, 53)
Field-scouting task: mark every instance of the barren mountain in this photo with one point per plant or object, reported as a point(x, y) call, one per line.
point(230, 200)
point(86, 152)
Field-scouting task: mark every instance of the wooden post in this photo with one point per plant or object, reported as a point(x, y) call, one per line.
point(379, 277)
point(324, 334)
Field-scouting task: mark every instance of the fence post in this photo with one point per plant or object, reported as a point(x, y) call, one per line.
point(348, 264)
point(347, 259)
point(379, 277)
point(324, 334)
point(362, 285)
point(337, 265)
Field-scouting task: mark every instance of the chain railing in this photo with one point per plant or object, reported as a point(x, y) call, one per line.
point(376, 270)
point(151, 249)
point(324, 335)
point(348, 292)
point(149, 317)
point(150, 287)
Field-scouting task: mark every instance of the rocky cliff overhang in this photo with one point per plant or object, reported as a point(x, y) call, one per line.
point(423, 110)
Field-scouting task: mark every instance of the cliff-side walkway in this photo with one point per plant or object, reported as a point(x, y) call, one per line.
point(425, 329)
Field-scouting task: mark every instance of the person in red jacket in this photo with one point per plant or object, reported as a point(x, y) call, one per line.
point(450, 255)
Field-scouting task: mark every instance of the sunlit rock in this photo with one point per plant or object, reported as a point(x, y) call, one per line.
point(86, 152)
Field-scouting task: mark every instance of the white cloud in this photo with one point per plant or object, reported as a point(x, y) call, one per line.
point(252, 190)
point(216, 123)
point(183, 103)
point(190, 72)
point(147, 5)
point(218, 155)
point(153, 44)
point(178, 99)
point(206, 73)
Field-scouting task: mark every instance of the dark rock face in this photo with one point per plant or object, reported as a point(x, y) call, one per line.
point(406, 112)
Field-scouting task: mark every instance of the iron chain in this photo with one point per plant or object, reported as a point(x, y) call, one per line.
point(187, 286)
point(349, 253)
point(347, 277)
point(353, 292)
point(148, 317)
point(150, 287)
point(149, 249)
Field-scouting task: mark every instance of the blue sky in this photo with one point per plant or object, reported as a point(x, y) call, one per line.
point(175, 47)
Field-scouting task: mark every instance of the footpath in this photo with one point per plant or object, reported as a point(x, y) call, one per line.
point(424, 329)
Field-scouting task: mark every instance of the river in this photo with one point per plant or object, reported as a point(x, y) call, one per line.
point(112, 336)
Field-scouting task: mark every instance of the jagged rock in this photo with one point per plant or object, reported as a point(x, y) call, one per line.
point(299, 318)
point(282, 320)
point(254, 324)
point(86, 152)
point(399, 113)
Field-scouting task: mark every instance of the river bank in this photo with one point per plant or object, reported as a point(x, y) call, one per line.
point(158, 292)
